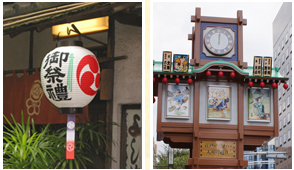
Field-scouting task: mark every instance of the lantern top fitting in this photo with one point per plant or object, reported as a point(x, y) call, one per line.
point(70, 43)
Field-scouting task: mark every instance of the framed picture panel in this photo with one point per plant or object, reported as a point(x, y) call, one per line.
point(218, 102)
point(181, 63)
point(259, 104)
point(178, 101)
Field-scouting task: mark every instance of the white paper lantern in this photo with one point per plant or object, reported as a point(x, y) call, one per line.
point(70, 76)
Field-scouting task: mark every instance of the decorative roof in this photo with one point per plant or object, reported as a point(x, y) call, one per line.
point(248, 72)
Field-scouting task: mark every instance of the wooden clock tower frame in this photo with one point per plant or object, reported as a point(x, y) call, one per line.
point(196, 36)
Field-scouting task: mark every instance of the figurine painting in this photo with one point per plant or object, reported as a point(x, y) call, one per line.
point(218, 106)
point(259, 104)
point(178, 101)
point(181, 63)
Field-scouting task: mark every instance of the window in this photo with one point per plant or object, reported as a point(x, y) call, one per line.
point(280, 94)
point(277, 142)
point(287, 69)
point(282, 44)
point(288, 101)
point(286, 37)
point(284, 122)
point(289, 117)
point(289, 134)
point(275, 55)
point(279, 64)
point(290, 31)
point(290, 47)
point(285, 137)
point(284, 106)
point(280, 109)
point(281, 142)
point(280, 125)
point(283, 59)
point(279, 50)
point(287, 53)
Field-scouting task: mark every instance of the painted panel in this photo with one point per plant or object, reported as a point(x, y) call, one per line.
point(166, 104)
point(218, 149)
point(259, 104)
point(204, 103)
point(270, 121)
point(178, 101)
point(218, 107)
point(181, 63)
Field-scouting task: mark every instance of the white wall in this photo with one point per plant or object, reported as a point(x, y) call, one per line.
point(127, 77)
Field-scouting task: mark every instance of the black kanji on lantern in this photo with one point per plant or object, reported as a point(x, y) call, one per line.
point(61, 92)
point(50, 91)
point(57, 58)
point(53, 74)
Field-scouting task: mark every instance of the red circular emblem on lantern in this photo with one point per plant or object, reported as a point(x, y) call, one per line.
point(261, 84)
point(190, 81)
point(164, 80)
point(208, 73)
point(177, 80)
point(285, 85)
point(88, 76)
point(250, 83)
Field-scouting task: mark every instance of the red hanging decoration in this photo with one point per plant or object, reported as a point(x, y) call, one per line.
point(208, 73)
point(250, 83)
point(232, 74)
point(285, 85)
point(261, 84)
point(190, 81)
point(177, 80)
point(153, 99)
point(274, 85)
point(164, 80)
point(220, 74)
point(153, 79)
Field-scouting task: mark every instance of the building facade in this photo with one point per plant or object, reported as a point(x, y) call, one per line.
point(282, 48)
point(260, 161)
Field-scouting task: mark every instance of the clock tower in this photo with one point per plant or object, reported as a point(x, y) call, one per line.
point(215, 38)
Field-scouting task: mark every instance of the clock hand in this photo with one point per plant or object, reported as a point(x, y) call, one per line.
point(218, 38)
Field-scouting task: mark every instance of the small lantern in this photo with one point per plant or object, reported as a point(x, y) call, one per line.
point(261, 84)
point(250, 83)
point(153, 79)
point(70, 76)
point(232, 74)
point(154, 99)
point(220, 74)
point(285, 85)
point(164, 80)
point(190, 81)
point(208, 73)
point(274, 85)
point(177, 80)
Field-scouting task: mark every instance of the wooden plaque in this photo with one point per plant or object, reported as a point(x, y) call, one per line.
point(218, 149)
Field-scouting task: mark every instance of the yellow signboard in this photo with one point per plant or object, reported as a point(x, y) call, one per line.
point(218, 149)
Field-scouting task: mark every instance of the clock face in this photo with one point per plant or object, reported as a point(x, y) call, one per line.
point(219, 41)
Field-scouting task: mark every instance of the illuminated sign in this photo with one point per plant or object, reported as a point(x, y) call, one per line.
point(217, 149)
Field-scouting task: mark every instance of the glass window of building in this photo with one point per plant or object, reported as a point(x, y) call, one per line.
point(289, 134)
point(290, 31)
point(286, 38)
point(285, 137)
point(287, 53)
point(280, 93)
point(284, 121)
point(290, 47)
point(279, 49)
point(284, 105)
point(277, 142)
point(282, 43)
point(280, 109)
point(281, 141)
point(275, 55)
point(280, 124)
point(288, 101)
point(289, 117)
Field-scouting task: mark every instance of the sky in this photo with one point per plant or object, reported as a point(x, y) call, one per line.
point(171, 24)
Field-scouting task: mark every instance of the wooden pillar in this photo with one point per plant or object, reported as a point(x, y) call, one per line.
point(197, 36)
point(109, 107)
point(31, 52)
point(240, 142)
point(196, 126)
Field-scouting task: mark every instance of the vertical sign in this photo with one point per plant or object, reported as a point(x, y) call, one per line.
point(131, 137)
point(70, 136)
